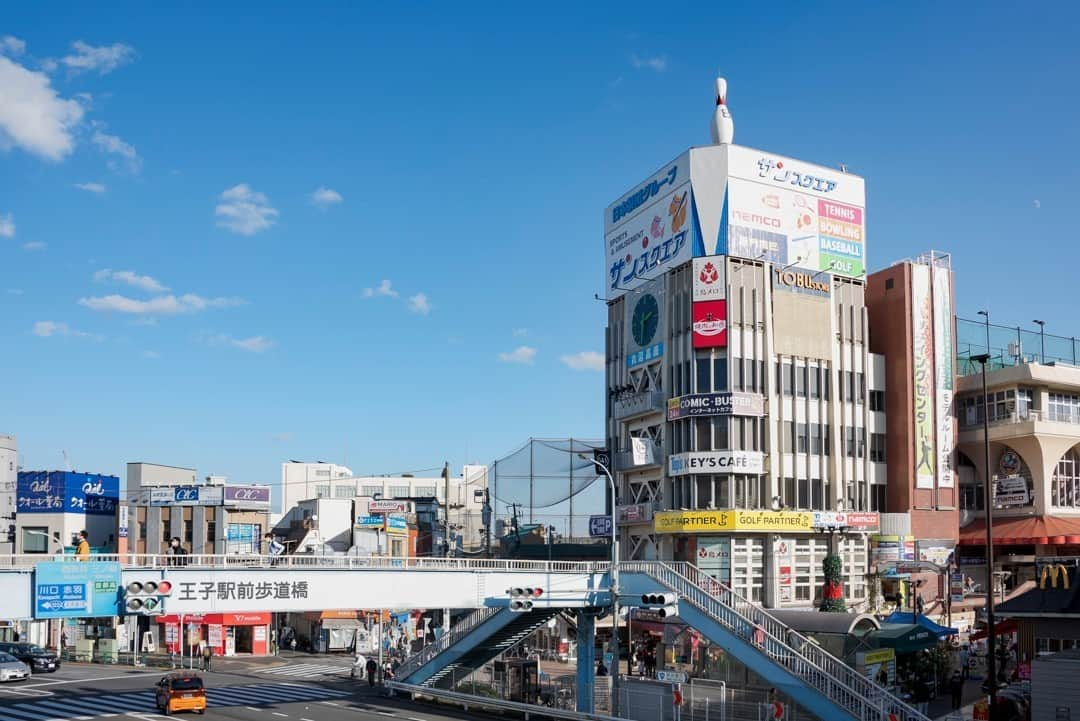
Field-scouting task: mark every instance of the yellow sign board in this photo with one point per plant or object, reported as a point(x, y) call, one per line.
point(732, 520)
point(882, 655)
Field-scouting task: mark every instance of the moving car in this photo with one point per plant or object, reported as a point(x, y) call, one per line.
point(38, 659)
point(12, 669)
point(180, 691)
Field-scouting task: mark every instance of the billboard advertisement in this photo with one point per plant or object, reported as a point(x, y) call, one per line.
point(645, 326)
point(648, 230)
point(726, 403)
point(922, 342)
point(944, 372)
point(710, 324)
point(683, 464)
point(247, 495)
point(67, 492)
point(70, 590)
point(710, 279)
point(754, 204)
point(714, 557)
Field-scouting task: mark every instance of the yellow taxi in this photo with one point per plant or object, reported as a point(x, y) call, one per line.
point(181, 691)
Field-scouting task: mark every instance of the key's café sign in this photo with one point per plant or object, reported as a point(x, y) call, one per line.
point(732, 520)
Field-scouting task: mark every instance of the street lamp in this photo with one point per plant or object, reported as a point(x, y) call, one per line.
point(986, 314)
point(1042, 340)
point(988, 502)
point(614, 586)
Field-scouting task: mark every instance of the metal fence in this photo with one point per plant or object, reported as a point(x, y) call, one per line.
point(1009, 346)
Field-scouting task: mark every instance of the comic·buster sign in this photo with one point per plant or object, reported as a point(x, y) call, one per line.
point(710, 324)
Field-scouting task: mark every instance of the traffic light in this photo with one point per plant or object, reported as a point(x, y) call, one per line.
point(146, 597)
point(663, 605)
point(521, 599)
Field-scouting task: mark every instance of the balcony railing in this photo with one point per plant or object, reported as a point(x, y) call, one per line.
point(624, 459)
point(1054, 415)
point(638, 404)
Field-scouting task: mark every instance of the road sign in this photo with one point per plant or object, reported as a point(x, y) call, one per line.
point(55, 598)
point(69, 590)
point(599, 525)
point(671, 676)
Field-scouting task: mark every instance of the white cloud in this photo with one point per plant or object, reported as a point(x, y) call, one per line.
point(151, 354)
point(35, 245)
point(1038, 204)
point(159, 305)
point(325, 197)
point(103, 58)
point(142, 282)
point(7, 226)
point(587, 360)
point(523, 354)
point(419, 303)
point(11, 45)
point(521, 332)
point(658, 63)
point(384, 289)
point(91, 187)
point(245, 211)
point(49, 328)
point(32, 116)
point(113, 145)
point(254, 344)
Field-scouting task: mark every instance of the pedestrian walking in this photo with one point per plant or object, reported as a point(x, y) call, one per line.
point(207, 654)
point(359, 664)
point(956, 687)
point(274, 548)
point(372, 668)
point(82, 550)
point(965, 662)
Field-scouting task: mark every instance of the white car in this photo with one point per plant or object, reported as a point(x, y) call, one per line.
point(12, 669)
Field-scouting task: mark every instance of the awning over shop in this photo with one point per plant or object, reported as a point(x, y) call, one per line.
point(1000, 628)
point(939, 631)
point(1030, 530)
point(904, 637)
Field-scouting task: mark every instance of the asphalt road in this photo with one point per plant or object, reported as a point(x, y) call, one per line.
point(257, 693)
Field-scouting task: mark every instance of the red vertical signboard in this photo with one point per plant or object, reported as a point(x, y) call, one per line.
point(710, 324)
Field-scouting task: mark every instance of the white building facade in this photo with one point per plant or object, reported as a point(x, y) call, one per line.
point(9, 477)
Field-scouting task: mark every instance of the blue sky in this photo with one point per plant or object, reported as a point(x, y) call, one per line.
point(198, 301)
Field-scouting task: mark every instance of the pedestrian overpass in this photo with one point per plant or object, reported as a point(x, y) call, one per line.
point(819, 682)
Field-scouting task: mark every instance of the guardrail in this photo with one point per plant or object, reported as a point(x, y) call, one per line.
point(161, 561)
point(461, 629)
point(469, 701)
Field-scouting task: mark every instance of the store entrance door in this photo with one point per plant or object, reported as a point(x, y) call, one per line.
point(245, 636)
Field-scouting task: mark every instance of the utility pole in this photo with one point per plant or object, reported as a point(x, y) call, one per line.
point(446, 507)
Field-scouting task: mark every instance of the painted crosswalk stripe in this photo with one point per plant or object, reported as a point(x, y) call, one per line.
point(262, 695)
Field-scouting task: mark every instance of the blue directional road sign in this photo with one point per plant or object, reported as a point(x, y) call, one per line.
point(599, 525)
point(72, 589)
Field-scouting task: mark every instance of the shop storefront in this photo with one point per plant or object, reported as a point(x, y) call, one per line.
point(228, 634)
point(773, 557)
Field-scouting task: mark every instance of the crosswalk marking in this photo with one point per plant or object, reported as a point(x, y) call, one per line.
point(308, 670)
point(83, 708)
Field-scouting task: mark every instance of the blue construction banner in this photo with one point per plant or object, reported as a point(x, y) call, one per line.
point(76, 589)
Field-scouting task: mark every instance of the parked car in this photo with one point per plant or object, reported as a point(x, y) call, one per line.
point(38, 659)
point(12, 669)
point(180, 691)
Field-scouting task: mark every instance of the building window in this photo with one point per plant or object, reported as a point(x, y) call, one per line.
point(877, 497)
point(142, 530)
point(188, 532)
point(877, 400)
point(818, 487)
point(815, 438)
point(1064, 408)
point(815, 381)
point(1065, 487)
point(719, 373)
point(826, 439)
point(322, 472)
point(788, 499)
point(788, 375)
point(35, 539)
point(211, 536)
point(322, 491)
point(399, 491)
point(425, 491)
point(800, 381)
point(862, 387)
point(877, 447)
point(748, 568)
point(789, 437)
point(853, 551)
point(825, 375)
point(849, 441)
point(370, 491)
point(809, 554)
point(704, 383)
point(345, 491)
point(802, 441)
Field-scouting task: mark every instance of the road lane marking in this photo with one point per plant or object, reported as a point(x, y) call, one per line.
point(413, 718)
point(282, 715)
point(329, 703)
point(252, 708)
point(91, 679)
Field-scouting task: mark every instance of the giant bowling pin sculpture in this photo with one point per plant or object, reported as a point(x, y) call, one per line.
point(723, 127)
